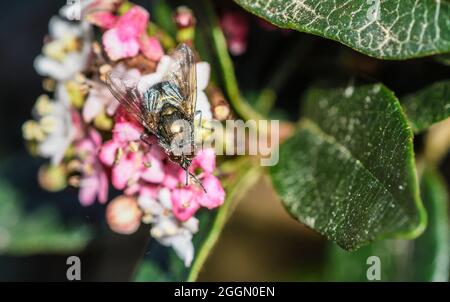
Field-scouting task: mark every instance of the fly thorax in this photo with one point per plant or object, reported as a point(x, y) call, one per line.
point(177, 130)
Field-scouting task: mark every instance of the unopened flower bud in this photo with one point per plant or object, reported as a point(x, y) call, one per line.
point(103, 70)
point(220, 107)
point(221, 111)
point(184, 17)
point(123, 215)
point(49, 84)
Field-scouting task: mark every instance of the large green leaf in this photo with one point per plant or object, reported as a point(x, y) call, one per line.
point(349, 171)
point(428, 106)
point(388, 29)
point(161, 264)
point(424, 259)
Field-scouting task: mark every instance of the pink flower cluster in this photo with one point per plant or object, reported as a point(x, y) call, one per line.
point(142, 169)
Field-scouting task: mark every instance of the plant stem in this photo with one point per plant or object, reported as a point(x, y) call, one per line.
point(247, 175)
point(242, 108)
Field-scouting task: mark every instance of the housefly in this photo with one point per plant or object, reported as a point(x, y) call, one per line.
point(166, 109)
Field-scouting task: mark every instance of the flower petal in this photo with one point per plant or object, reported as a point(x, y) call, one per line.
point(173, 175)
point(182, 244)
point(112, 107)
point(203, 72)
point(132, 24)
point(108, 152)
point(192, 225)
point(102, 19)
point(205, 159)
point(92, 107)
point(164, 198)
point(203, 105)
point(148, 81)
point(125, 132)
point(154, 173)
point(149, 204)
point(150, 191)
point(184, 205)
point(122, 173)
point(60, 29)
point(117, 48)
point(49, 67)
point(215, 195)
point(103, 187)
point(88, 190)
point(151, 48)
point(164, 64)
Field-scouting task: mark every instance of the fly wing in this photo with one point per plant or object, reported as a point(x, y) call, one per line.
point(182, 73)
point(125, 90)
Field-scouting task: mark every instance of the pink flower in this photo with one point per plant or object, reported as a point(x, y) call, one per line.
point(118, 48)
point(97, 12)
point(102, 19)
point(215, 195)
point(131, 160)
point(205, 160)
point(149, 191)
point(94, 181)
point(172, 177)
point(132, 23)
point(127, 35)
point(125, 132)
point(203, 166)
point(235, 28)
point(187, 200)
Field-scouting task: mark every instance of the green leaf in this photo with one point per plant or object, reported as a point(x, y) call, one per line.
point(161, 264)
point(443, 59)
point(149, 271)
point(38, 231)
point(428, 106)
point(431, 255)
point(349, 171)
point(162, 15)
point(388, 29)
point(423, 259)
